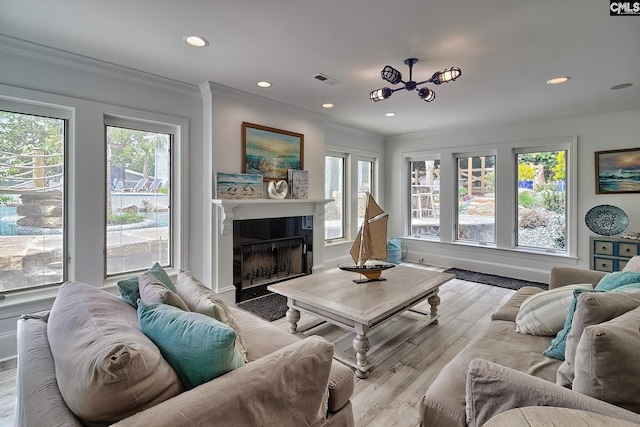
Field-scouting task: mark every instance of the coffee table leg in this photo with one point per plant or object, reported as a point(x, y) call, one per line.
point(293, 316)
point(361, 346)
point(434, 302)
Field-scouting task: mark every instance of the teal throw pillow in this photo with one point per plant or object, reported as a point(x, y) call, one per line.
point(615, 280)
point(199, 348)
point(559, 343)
point(130, 292)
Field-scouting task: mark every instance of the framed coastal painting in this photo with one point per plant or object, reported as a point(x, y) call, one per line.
point(271, 152)
point(618, 171)
point(238, 186)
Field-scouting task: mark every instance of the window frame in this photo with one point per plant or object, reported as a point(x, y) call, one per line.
point(456, 233)
point(506, 188)
point(32, 108)
point(177, 200)
point(346, 194)
point(407, 190)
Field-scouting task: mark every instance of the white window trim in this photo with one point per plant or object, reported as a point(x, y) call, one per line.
point(346, 196)
point(406, 190)
point(505, 176)
point(178, 128)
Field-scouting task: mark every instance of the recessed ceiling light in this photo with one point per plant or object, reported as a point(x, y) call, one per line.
point(264, 84)
point(621, 86)
point(195, 41)
point(557, 80)
point(390, 114)
point(327, 105)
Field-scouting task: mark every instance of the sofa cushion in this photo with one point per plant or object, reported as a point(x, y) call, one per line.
point(200, 348)
point(203, 300)
point(510, 309)
point(558, 344)
point(106, 368)
point(607, 362)
point(592, 308)
point(617, 279)
point(129, 287)
point(153, 291)
point(545, 312)
point(444, 401)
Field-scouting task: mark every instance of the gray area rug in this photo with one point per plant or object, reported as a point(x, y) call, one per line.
point(273, 306)
point(270, 307)
point(494, 280)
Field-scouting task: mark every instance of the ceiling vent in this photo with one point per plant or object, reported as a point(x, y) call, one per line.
point(326, 79)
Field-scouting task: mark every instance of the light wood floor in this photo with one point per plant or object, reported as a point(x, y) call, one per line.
point(390, 396)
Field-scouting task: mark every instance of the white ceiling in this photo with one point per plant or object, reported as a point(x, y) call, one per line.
point(507, 50)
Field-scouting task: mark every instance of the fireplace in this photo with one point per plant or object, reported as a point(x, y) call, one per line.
point(270, 250)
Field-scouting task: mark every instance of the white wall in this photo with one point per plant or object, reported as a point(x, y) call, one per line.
point(595, 133)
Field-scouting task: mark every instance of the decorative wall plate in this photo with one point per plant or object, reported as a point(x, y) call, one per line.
point(606, 220)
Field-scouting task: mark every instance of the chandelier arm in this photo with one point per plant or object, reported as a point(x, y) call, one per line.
point(426, 81)
point(397, 89)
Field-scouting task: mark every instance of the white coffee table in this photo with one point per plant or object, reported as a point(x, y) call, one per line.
point(332, 296)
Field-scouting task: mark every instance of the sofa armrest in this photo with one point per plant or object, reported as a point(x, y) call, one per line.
point(287, 387)
point(493, 389)
point(561, 276)
point(38, 398)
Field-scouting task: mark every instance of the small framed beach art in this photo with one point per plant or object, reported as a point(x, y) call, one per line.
point(618, 171)
point(271, 152)
point(238, 186)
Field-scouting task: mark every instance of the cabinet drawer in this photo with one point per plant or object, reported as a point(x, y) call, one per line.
point(603, 248)
point(621, 265)
point(602, 264)
point(627, 249)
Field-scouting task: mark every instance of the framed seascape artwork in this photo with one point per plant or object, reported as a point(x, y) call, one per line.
point(238, 186)
point(618, 171)
point(271, 152)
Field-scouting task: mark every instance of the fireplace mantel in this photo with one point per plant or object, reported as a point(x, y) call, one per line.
point(229, 210)
point(225, 211)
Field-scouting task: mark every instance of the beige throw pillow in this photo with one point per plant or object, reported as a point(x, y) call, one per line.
point(153, 291)
point(544, 313)
point(633, 264)
point(203, 300)
point(106, 368)
point(592, 308)
point(608, 361)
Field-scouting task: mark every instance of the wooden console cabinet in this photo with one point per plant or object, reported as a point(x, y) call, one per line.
point(611, 253)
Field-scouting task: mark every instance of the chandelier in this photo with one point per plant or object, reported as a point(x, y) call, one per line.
point(394, 76)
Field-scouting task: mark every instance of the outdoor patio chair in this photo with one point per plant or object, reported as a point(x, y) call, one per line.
point(155, 185)
point(140, 185)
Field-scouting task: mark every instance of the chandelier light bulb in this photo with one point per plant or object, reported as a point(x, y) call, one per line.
point(391, 75)
point(446, 76)
point(380, 94)
point(427, 94)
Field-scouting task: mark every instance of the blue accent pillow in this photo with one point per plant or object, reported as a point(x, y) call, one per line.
point(559, 343)
point(615, 280)
point(130, 292)
point(199, 348)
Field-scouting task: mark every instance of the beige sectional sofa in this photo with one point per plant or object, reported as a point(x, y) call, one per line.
point(501, 369)
point(287, 381)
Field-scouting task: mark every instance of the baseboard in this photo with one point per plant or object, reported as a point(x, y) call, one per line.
point(8, 346)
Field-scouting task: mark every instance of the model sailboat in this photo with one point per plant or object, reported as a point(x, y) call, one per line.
point(370, 244)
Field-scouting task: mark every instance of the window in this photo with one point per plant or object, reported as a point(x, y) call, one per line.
point(476, 198)
point(365, 185)
point(334, 189)
point(139, 198)
point(33, 143)
point(542, 201)
point(425, 198)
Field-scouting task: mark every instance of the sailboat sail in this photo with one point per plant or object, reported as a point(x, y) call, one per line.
point(371, 242)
